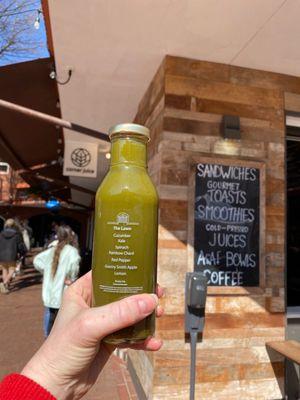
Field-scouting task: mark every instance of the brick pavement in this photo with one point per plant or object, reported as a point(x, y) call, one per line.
point(21, 333)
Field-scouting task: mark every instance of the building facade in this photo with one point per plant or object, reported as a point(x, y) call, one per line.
point(184, 108)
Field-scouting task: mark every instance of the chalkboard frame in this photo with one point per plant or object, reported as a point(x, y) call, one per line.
point(229, 160)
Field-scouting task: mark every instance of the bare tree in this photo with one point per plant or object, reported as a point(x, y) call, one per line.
point(18, 38)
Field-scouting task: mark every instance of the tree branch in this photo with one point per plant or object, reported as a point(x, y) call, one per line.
point(17, 35)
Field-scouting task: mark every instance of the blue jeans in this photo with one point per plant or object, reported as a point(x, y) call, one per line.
point(49, 318)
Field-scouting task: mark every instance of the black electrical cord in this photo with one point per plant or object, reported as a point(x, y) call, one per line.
point(194, 337)
point(20, 12)
point(67, 80)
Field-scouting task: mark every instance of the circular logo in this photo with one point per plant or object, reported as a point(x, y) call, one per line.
point(81, 157)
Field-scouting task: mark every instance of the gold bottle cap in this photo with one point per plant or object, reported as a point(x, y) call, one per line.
point(129, 128)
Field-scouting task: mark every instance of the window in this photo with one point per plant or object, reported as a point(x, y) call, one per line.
point(4, 168)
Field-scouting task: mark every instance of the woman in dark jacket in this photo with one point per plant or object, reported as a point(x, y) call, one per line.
point(11, 244)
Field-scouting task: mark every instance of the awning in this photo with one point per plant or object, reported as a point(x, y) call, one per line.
point(26, 142)
point(30, 145)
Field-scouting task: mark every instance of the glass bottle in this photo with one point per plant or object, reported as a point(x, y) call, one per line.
point(125, 237)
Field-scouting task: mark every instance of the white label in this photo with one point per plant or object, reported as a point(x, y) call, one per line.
point(121, 263)
point(80, 159)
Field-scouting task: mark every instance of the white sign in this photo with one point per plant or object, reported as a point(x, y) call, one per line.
point(80, 159)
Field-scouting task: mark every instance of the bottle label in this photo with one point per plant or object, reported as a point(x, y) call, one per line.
point(120, 256)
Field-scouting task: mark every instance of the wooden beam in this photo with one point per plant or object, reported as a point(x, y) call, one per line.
point(45, 8)
point(292, 102)
point(70, 201)
point(38, 168)
point(79, 204)
point(59, 182)
point(43, 166)
point(54, 120)
point(10, 153)
point(289, 349)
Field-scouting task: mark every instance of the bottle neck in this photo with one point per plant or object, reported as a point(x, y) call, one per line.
point(129, 150)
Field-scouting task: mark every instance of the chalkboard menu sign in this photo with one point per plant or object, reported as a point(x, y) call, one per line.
point(226, 240)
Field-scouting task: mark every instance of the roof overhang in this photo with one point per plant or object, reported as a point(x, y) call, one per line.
point(115, 47)
point(28, 144)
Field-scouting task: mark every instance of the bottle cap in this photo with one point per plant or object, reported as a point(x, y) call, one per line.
point(129, 128)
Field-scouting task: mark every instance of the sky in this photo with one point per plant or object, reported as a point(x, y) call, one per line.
point(36, 36)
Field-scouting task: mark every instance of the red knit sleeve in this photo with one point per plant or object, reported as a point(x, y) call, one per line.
point(16, 387)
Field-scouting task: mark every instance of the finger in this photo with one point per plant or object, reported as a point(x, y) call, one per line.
point(150, 344)
point(98, 322)
point(76, 298)
point(159, 311)
point(83, 287)
point(159, 291)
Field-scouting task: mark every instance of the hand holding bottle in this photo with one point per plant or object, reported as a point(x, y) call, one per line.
point(70, 360)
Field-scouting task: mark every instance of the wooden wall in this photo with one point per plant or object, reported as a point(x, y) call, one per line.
point(183, 107)
point(5, 186)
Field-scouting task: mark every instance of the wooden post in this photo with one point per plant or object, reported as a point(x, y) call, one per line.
point(54, 120)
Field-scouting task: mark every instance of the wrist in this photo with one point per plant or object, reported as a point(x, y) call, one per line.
point(40, 372)
point(18, 386)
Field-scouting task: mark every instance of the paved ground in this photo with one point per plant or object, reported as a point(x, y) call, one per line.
point(21, 333)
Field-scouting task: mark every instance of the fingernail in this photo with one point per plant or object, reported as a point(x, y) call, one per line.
point(155, 298)
point(145, 306)
point(158, 341)
point(160, 310)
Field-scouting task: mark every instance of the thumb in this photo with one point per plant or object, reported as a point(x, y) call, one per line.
point(99, 322)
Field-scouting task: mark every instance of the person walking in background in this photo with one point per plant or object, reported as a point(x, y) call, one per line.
point(59, 265)
point(11, 247)
point(26, 233)
point(52, 239)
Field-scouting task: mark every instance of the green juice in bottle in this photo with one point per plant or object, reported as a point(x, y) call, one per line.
point(125, 237)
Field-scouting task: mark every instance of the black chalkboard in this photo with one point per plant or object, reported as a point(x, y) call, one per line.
point(226, 234)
